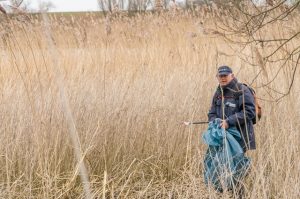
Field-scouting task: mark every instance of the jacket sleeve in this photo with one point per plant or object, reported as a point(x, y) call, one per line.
point(246, 109)
point(212, 113)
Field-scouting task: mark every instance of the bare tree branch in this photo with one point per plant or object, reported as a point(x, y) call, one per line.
point(252, 24)
point(292, 80)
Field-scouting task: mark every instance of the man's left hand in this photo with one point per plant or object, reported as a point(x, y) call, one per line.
point(224, 124)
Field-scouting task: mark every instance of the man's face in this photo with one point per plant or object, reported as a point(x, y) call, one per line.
point(225, 79)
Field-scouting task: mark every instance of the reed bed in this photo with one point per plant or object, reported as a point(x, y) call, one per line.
point(130, 81)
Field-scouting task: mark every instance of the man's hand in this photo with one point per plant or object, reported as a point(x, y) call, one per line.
point(224, 124)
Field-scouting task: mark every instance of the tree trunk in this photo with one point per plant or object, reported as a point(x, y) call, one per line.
point(159, 4)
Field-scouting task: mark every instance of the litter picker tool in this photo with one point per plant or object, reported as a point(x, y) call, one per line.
point(197, 122)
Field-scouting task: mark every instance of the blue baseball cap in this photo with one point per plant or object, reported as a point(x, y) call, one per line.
point(224, 70)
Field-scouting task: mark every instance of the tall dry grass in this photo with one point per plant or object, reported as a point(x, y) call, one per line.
point(130, 82)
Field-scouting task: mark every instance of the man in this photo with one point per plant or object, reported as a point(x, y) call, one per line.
point(234, 104)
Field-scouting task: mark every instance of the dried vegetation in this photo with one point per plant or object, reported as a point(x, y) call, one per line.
point(130, 82)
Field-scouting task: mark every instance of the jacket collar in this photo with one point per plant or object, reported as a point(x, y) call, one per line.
point(231, 84)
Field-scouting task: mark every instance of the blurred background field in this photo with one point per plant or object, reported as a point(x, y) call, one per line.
point(131, 82)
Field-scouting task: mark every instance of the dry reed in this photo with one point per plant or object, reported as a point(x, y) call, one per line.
point(129, 89)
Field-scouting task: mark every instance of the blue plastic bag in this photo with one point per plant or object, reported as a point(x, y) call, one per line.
point(225, 163)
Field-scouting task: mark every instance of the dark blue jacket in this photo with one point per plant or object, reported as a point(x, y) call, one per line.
point(239, 110)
